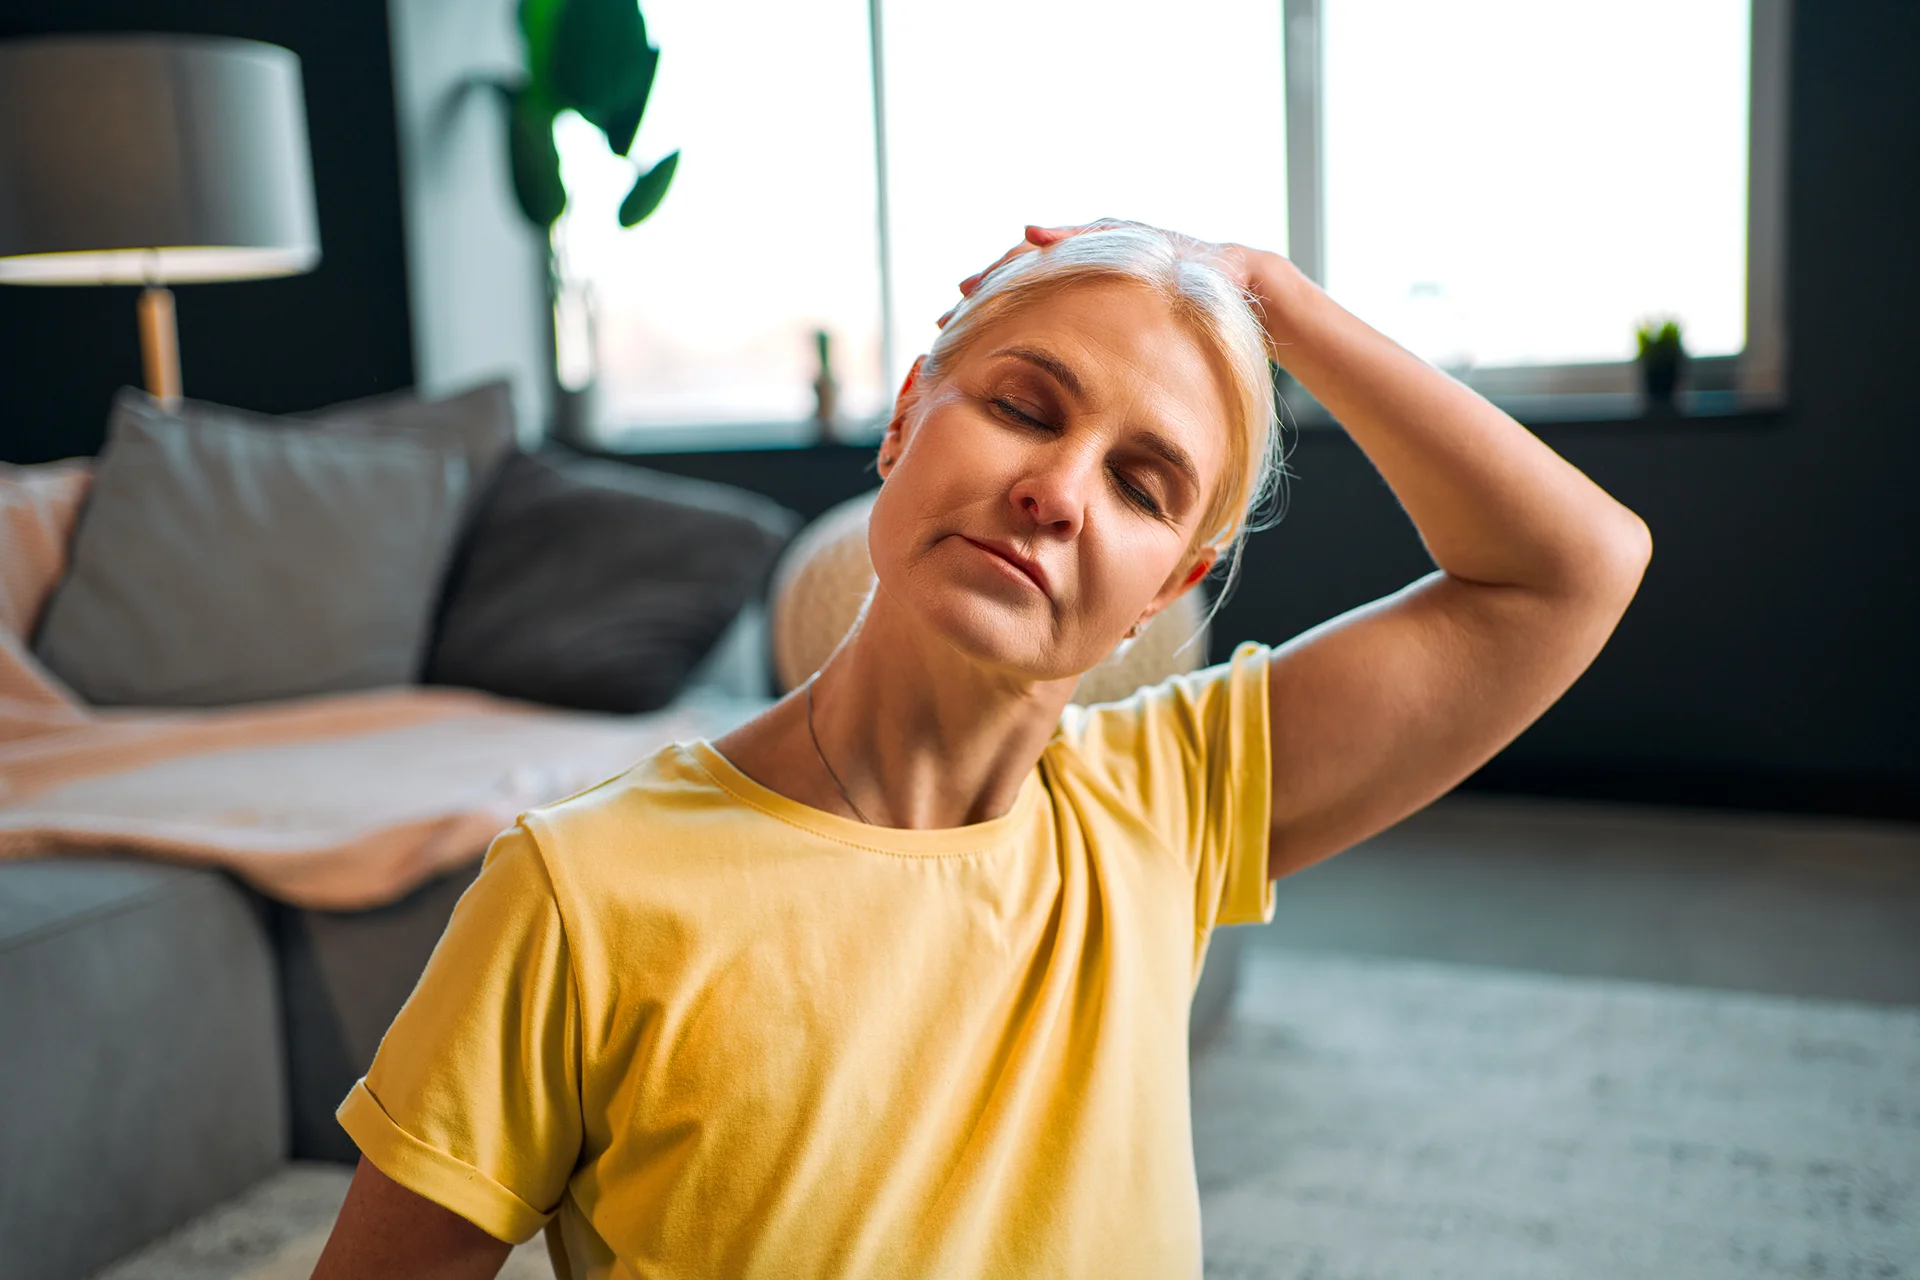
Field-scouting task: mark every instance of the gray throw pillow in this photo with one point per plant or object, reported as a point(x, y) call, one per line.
point(600, 586)
point(229, 559)
point(478, 422)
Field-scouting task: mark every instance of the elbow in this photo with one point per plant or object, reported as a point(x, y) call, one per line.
point(1611, 564)
point(1635, 542)
point(1631, 550)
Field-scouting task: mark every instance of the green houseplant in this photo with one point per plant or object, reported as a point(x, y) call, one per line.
point(590, 57)
point(1660, 357)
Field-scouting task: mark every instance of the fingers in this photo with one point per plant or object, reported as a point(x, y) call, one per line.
point(1002, 261)
point(972, 282)
point(1036, 237)
point(1043, 236)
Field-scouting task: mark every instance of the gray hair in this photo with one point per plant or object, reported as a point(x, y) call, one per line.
point(1183, 272)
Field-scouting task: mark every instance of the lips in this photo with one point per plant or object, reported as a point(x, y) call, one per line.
point(1029, 567)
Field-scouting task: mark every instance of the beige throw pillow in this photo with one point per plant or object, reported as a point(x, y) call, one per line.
point(39, 506)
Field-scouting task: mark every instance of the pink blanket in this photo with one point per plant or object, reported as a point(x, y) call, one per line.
point(343, 801)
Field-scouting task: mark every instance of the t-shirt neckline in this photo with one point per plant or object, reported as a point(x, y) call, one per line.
point(932, 842)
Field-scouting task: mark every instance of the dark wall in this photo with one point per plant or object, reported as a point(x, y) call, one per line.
point(1772, 657)
point(277, 346)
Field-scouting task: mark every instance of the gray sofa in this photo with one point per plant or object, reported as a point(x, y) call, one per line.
point(142, 1065)
point(168, 1036)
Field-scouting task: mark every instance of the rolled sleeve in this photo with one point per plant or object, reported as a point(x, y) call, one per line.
point(472, 1098)
point(430, 1172)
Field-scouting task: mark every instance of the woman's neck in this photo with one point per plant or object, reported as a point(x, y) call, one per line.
point(927, 734)
point(921, 735)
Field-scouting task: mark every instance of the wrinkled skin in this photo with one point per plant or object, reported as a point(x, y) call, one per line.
point(998, 450)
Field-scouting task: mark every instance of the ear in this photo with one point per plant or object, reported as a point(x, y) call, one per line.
point(1201, 567)
point(904, 401)
point(894, 439)
point(1181, 583)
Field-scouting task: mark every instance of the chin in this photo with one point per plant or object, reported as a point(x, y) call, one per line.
point(1019, 642)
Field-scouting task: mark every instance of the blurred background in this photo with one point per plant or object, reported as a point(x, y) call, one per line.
point(1650, 977)
point(1507, 189)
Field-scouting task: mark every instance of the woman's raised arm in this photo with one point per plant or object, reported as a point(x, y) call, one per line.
point(1380, 711)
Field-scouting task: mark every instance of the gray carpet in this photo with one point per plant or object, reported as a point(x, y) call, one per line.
point(275, 1230)
point(1387, 1119)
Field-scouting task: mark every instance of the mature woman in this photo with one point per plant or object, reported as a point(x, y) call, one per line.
point(893, 979)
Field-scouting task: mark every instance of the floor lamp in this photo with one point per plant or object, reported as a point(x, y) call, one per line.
point(155, 160)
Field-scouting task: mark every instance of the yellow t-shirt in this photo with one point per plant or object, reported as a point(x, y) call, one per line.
point(703, 1030)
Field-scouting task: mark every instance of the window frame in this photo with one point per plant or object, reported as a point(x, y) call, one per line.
point(1753, 380)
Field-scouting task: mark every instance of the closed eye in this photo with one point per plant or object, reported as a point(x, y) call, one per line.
point(1007, 407)
point(1140, 497)
point(1136, 495)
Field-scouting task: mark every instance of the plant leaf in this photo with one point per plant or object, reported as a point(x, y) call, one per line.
point(532, 156)
point(621, 124)
point(597, 47)
point(537, 18)
point(648, 190)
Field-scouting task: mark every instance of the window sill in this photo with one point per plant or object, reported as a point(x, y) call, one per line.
point(1302, 412)
point(1595, 408)
point(719, 437)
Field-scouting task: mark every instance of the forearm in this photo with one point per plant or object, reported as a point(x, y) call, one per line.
point(1492, 502)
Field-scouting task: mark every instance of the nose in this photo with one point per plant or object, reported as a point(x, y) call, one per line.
point(1052, 493)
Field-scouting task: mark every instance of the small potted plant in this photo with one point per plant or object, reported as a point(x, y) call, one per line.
point(1660, 357)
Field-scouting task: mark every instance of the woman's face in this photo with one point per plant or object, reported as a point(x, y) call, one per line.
point(1082, 435)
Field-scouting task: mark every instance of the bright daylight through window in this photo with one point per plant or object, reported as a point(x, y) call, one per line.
point(1503, 186)
point(1509, 183)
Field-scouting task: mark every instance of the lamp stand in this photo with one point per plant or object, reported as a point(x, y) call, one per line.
point(160, 345)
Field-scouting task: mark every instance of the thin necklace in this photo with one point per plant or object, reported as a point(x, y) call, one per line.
point(823, 755)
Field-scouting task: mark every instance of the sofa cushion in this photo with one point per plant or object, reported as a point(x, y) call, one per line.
point(478, 423)
point(600, 586)
point(141, 1078)
point(221, 560)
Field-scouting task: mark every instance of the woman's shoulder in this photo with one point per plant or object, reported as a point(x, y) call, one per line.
point(648, 806)
point(1177, 706)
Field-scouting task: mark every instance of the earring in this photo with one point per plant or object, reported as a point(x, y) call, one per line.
point(1133, 632)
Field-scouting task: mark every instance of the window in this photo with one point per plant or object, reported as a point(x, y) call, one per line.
point(706, 311)
point(1506, 187)
point(1502, 186)
point(1005, 112)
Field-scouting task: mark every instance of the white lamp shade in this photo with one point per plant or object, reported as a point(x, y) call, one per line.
point(152, 158)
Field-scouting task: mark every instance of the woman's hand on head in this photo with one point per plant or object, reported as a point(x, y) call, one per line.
point(1256, 271)
point(1036, 238)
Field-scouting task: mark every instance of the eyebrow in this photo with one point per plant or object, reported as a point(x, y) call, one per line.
point(1062, 373)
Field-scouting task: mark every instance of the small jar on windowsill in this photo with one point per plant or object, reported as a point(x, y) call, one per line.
point(826, 391)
